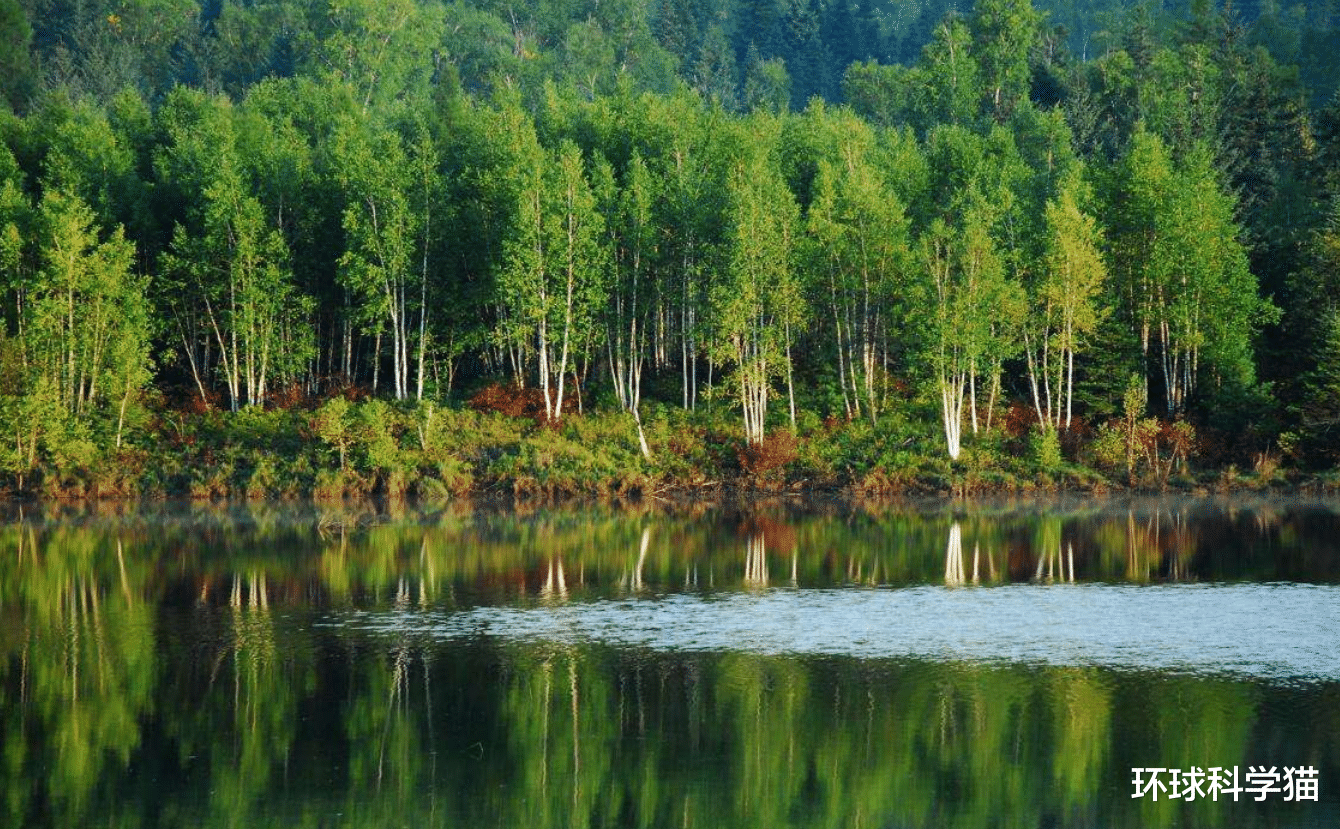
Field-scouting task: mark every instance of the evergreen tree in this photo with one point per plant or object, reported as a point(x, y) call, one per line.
point(767, 84)
point(17, 73)
point(759, 28)
point(807, 59)
point(715, 75)
point(678, 30)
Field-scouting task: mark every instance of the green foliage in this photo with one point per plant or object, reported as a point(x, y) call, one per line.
point(1046, 448)
point(1108, 449)
point(583, 456)
point(1185, 283)
point(1321, 412)
point(1064, 305)
point(758, 303)
point(332, 424)
point(860, 242)
point(399, 200)
point(17, 67)
point(1003, 35)
point(85, 324)
point(229, 274)
point(1149, 450)
point(553, 280)
point(972, 308)
point(767, 84)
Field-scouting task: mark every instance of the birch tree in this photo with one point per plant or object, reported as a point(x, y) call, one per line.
point(1186, 289)
point(501, 195)
point(278, 165)
point(968, 311)
point(85, 322)
point(756, 307)
point(861, 231)
point(385, 264)
point(552, 281)
point(631, 244)
point(1064, 307)
point(378, 48)
point(1003, 35)
point(236, 268)
point(15, 215)
point(977, 188)
point(580, 265)
point(236, 312)
point(690, 201)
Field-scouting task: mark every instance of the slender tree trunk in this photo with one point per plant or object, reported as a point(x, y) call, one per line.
point(991, 401)
point(1033, 384)
point(376, 361)
point(684, 343)
point(121, 415)
point(1070, 386)
point(567, 332)
point(189, 348)
point(951, 407)
point(972, 388)
point(842, 354)
point(790, 384)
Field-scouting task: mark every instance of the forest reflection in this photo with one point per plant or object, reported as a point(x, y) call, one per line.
point(173, 669)
point(322, 556)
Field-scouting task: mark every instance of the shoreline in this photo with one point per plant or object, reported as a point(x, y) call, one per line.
point(1209, 484)
point(428, 454)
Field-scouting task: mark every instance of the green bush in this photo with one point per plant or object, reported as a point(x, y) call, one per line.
point(1046, 449)
point(1108, 450)
point(331, 423)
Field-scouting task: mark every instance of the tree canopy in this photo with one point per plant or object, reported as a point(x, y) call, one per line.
point(238, 205)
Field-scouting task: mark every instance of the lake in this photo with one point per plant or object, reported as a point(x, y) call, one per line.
point(809, 663)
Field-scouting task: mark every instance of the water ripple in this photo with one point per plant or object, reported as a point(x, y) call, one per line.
point(1268, 631)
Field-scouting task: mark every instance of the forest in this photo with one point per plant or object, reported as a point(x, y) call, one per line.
point(407, 246)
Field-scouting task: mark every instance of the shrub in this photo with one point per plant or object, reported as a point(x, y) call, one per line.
point(264, 479)
point(331, 423)
point(770, 456)
point(1145, 447)
point(1046, 449)
point(509, 399)
point(1109, 447)
point(375, 430)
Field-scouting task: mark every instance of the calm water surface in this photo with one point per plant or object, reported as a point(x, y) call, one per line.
point(781, 665)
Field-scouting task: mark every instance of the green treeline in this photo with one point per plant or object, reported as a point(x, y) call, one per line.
point(738, 52)
point(1125, 263)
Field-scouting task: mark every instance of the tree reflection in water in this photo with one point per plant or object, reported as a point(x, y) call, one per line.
point(182, 669)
